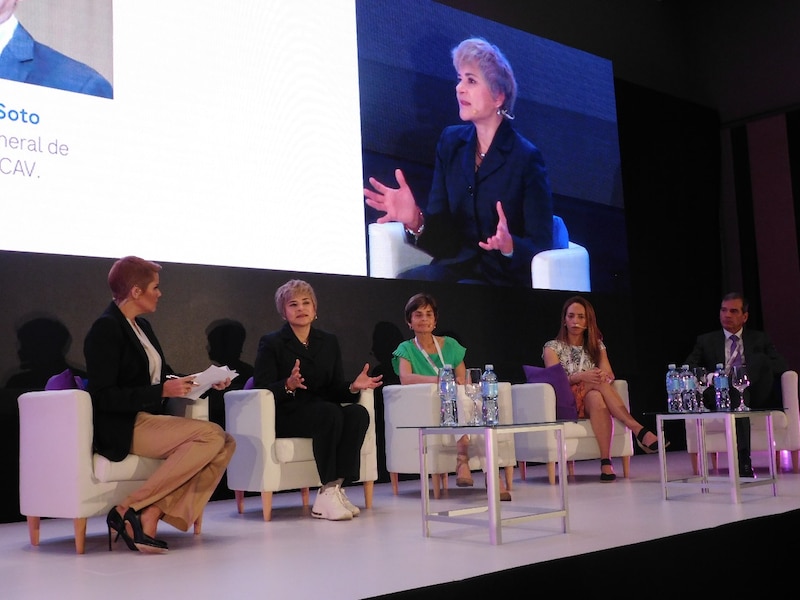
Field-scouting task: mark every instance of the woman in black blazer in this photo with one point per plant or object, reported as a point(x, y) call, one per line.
point(129, 381)
point(302, 367)
point(490, 207)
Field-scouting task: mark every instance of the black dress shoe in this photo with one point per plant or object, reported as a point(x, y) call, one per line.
point(746, 470)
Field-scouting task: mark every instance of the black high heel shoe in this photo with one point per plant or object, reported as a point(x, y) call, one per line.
point(115, 521)
point(140, 541)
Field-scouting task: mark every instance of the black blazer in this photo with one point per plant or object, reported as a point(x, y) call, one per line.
point(320, 366)
point(765, 365)
point(461, 209)
point(119, 380)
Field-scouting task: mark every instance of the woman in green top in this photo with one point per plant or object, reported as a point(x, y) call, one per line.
point(418, 360)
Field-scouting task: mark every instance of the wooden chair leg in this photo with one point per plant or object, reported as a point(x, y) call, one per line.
point(304, 496)
point(551, 473)
point(266, 505)
point(626, 466)
point(795, 465)
point(33, 529)
point(715, 461)
point(693, 458)
point(395, 479)
point(80, 534)
point(369, 488)
point(198, 525)
point(522, 466)
point(239, 495)
point(509, 476)
point(571, 469)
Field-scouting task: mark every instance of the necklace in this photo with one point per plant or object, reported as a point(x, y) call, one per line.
point(305, 343)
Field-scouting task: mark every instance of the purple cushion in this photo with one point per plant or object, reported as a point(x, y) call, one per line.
point(63, 381)
point(557, 377)
point(248, 385)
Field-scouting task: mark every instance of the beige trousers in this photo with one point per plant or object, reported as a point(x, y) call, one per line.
point(195, 455)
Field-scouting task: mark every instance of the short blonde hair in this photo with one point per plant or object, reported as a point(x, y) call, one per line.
point(292, 289)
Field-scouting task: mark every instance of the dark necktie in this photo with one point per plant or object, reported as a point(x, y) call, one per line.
point(735, 353)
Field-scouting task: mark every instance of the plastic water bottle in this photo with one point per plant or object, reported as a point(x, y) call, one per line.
point(491, 414)
point(689, 398)
point(722, 389)
point(448, 396)
point(674, 400)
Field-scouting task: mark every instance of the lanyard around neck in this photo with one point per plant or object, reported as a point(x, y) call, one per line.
point(427, 357)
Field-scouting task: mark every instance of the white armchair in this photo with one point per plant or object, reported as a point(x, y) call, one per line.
point(536, 402)
point(785, 429)
point(266, 463)
point(417, 405)
point(561, 269)
point(59, 474)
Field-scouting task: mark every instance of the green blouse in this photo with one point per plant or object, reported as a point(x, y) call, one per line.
point(452, 352)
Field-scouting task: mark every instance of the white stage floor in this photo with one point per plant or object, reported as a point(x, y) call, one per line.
point(380, 552)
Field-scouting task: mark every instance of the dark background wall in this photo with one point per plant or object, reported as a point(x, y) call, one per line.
point(708, 127)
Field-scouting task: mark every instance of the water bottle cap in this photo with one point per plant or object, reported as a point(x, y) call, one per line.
point(489, 367)
point(671, 366)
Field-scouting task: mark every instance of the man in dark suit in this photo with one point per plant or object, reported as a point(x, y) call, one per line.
point(764, 365)
point(24, 59)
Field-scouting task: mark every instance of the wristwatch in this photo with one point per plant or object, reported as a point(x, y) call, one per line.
point(288, 391)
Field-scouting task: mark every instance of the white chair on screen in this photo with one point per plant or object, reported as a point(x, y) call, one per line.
point(564, 268)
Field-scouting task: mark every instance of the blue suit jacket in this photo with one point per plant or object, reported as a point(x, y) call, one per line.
point(119, 380)
point(462, 211)
point(764, 364)
point(27, 61)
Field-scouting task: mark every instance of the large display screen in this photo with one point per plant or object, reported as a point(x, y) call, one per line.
point(244, 135)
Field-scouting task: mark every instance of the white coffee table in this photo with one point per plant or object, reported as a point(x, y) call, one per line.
point(702, 481)
point(496, 520)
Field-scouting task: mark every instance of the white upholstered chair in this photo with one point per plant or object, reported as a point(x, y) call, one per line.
point(560, 269)
point(59, 474)
point(266, 463)
point(417, 405)
point(785, 429)
point(536, 402)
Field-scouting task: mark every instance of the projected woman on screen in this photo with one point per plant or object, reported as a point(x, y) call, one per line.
point(490, 207)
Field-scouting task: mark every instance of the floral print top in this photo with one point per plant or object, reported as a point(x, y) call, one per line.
point(573, 358)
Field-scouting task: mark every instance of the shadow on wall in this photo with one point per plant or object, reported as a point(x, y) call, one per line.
point(42, 346)
point(386, 337)
point(43, 343)
point(225, 343)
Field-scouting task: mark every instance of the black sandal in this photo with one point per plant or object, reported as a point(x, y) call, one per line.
point(606, 477)
point(652, 448)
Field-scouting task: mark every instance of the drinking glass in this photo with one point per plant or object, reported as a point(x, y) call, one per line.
point(472, 387)
point(740, 381)
point(701, 374)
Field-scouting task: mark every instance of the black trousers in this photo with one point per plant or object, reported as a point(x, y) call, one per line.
point(337, 433)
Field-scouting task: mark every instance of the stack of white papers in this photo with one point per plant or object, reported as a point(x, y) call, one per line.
point(203, 381)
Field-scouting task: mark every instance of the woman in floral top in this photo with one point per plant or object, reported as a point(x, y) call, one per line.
point(579, 348)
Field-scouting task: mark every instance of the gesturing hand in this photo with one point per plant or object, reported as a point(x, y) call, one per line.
point(501, 240)
point(398, 203)
point(295, 380)
point(364, 381)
